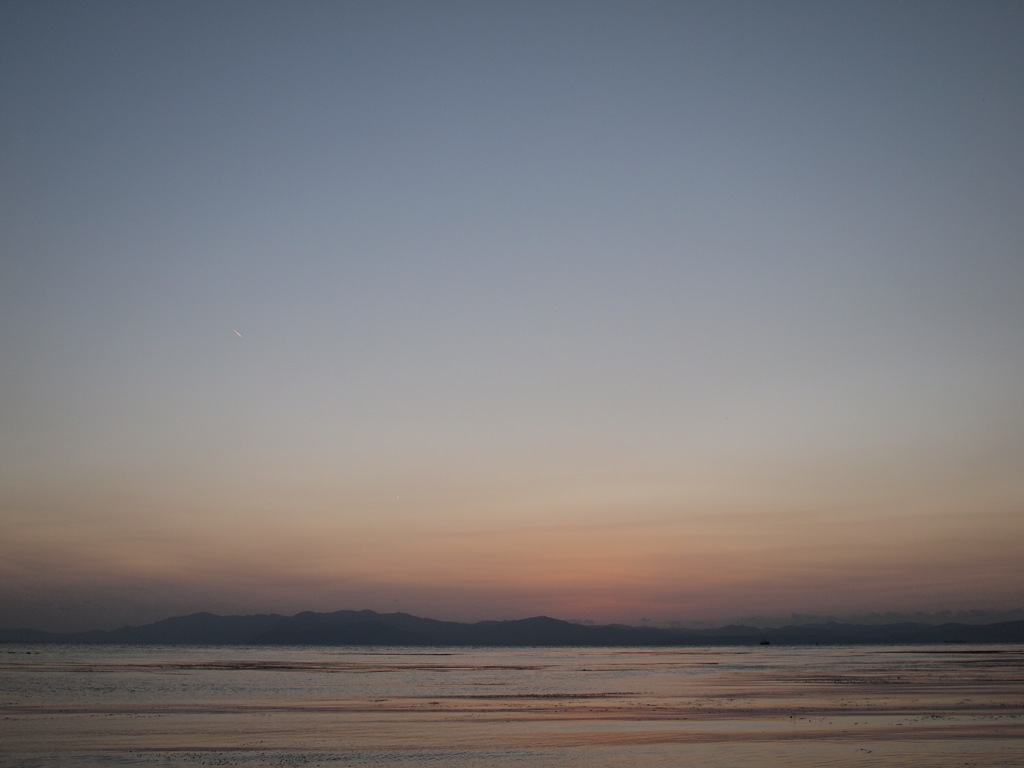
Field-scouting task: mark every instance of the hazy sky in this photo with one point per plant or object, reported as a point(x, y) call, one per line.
point(603, 310)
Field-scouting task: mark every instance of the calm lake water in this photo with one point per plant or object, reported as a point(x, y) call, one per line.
point(762, 707)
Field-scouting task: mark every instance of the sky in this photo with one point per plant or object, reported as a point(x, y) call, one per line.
point(609, 311)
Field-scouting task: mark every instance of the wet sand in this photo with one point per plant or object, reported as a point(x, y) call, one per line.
point(926, 708)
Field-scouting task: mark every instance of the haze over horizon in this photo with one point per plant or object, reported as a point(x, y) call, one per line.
point(604, 310)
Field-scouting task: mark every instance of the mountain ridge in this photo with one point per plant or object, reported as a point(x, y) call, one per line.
point(366, 627)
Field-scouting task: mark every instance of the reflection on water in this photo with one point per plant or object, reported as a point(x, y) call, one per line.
point(916, 706)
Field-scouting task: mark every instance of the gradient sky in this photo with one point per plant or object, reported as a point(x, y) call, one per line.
point(602, 310)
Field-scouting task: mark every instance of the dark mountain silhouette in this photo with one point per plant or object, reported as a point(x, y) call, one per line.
point(402, 629)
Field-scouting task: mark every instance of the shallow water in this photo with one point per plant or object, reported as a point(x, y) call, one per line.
point(769, 707)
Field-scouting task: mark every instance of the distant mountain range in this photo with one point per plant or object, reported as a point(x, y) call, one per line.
point(402, 629)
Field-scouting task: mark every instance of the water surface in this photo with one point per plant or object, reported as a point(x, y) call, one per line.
point(763, 707)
